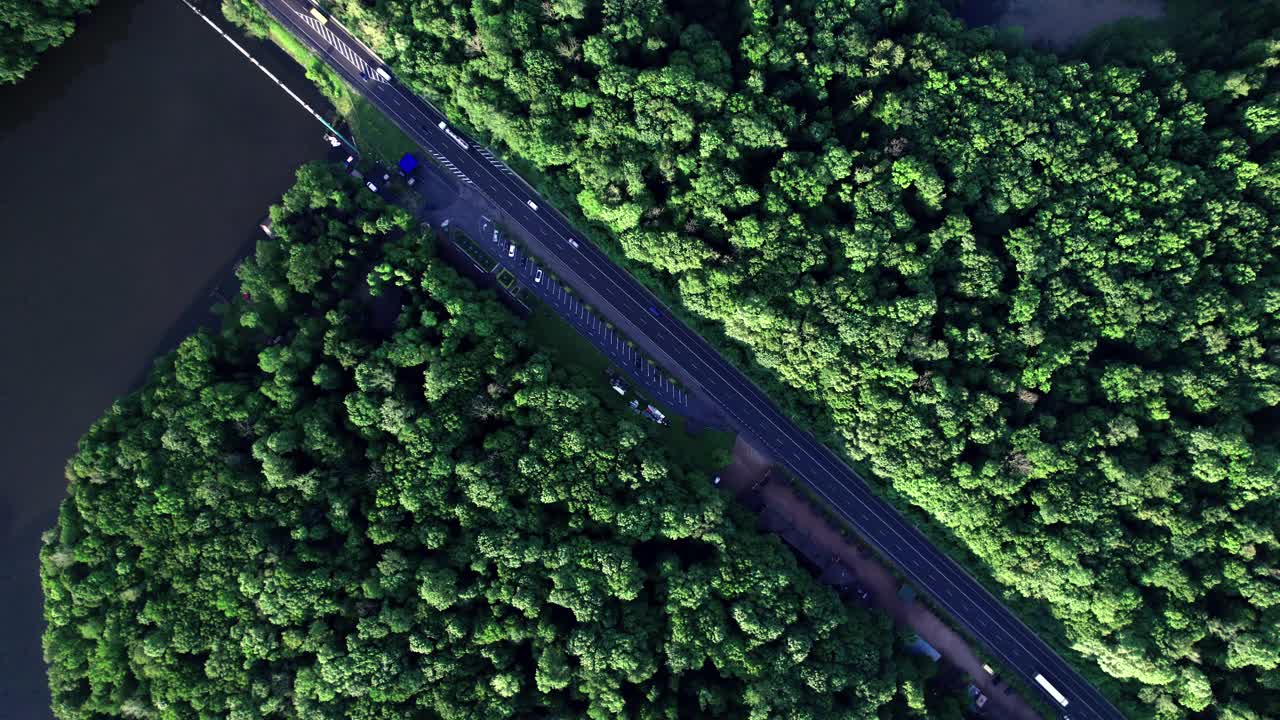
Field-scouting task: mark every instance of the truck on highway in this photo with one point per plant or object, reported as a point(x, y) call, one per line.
point(1049, 688)
point(444, 126)
point(382, 75)
point(319, 16)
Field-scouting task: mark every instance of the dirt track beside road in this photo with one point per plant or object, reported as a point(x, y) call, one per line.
point(749, 474)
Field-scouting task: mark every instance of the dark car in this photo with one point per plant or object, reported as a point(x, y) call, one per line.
point(653, 310)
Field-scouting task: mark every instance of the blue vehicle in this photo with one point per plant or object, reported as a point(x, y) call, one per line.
point(653, 310)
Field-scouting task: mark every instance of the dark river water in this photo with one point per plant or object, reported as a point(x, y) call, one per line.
point(137, 161)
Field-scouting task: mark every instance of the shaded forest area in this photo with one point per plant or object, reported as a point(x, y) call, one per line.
point(317, 513)
point(1036, 297)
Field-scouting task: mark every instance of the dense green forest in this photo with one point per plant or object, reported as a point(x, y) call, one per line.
point(1036, 297)
point(368, 497)
point(29, 27)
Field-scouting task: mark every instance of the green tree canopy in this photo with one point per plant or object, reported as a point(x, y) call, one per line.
point(1038, 297)
point(303, 515)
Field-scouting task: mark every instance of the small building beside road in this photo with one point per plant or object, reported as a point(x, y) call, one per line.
point(408, 164)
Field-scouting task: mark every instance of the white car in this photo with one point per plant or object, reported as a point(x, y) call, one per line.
point(511, 250)
point(573, 243)
point(371, 186)
point(532, 205)
point(537, 277)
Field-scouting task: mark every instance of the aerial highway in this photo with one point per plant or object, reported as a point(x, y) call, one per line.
point(625, 301)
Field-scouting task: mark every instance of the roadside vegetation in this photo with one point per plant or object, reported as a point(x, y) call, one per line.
point(326, 510)
point(1037, 298)
point(704, 447)
point(377, 137)
point(30, 27)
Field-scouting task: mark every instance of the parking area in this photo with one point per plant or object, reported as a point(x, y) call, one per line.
point(445, 199)
point(435, 188)
point(540, 283)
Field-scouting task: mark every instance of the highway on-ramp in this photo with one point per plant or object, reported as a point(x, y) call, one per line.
point(684, 353)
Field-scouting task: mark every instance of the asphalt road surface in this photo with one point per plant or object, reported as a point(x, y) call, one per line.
point(686, 354)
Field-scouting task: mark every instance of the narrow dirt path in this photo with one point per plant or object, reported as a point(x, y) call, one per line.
point(788, 513)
